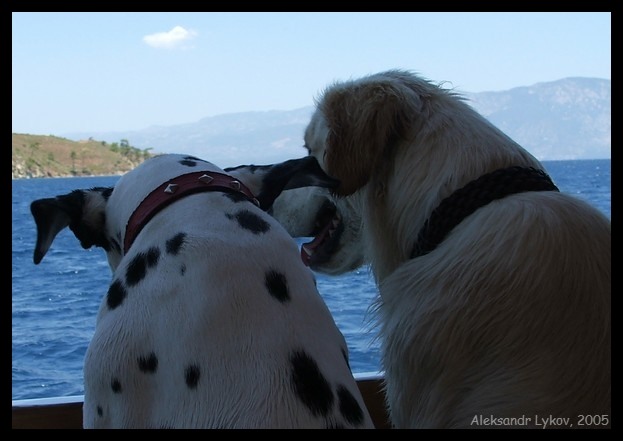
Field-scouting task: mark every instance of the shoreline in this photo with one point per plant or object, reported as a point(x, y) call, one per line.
point(67, 176)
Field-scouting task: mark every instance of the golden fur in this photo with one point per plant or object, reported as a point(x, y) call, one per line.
point(510, 315)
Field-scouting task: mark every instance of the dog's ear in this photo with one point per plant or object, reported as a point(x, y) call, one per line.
point(83, 211)
point(365, 119)
point(268, 181)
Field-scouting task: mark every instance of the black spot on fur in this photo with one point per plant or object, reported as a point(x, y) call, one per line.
point(191, 375)
point(182, 269)
point(148, 364)
point(153, 254)
point(310, 385)
point(236, 197)
point(174, 244)
point(116, 294)
point(115, 384)
point(137, 269)
point(188, 162)
point(106, 192)
point(345, 355)
point(193, 158)
point(100, 411)
point(349, 407)
point(114, 245)
point(277, 285)
point(250, 221)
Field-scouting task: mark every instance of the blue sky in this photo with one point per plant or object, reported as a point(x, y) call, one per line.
point(77, 72)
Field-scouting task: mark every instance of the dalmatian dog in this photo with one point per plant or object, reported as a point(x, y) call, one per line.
point(211, 320)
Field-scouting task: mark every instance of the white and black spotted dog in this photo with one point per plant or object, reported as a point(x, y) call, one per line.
point(211, 319)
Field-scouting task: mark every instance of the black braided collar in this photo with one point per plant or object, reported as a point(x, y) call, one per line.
point(463, 202)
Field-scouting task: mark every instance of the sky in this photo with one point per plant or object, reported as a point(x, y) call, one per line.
point(121, 71)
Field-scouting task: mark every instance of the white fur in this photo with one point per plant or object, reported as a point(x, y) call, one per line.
point(510, 315)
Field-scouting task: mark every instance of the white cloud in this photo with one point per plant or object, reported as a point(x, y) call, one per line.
point(171, 39)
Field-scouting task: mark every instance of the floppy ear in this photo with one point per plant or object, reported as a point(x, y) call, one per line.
point(83, 211)
point(365, 119)
point(268, 181)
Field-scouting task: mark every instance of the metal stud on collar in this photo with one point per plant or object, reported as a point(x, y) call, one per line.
point(235, 185)
point(206, 179)
point(171, 188)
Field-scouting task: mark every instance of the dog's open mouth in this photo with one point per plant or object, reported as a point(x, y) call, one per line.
point(327, 232)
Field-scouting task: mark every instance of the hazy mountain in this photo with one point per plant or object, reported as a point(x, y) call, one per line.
point(226, 140)
point(564, 119)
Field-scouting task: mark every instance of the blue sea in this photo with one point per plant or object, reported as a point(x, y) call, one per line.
point(55, 303)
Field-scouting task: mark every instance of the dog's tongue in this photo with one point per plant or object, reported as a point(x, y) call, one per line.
point(308, 249)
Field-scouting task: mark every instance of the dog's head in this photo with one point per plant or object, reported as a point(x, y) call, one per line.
point(99, 216)
point(353, 129)
point(356, 124)
point(335, 224)
point(299, 195)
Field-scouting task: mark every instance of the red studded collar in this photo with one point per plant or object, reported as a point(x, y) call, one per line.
point(175, 189)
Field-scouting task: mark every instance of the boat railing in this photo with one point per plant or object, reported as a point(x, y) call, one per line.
point(66, 412)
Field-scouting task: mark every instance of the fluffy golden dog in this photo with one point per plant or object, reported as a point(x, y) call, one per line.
point(495, 288)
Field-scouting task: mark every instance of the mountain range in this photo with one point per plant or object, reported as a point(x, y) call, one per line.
point(564, 119)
